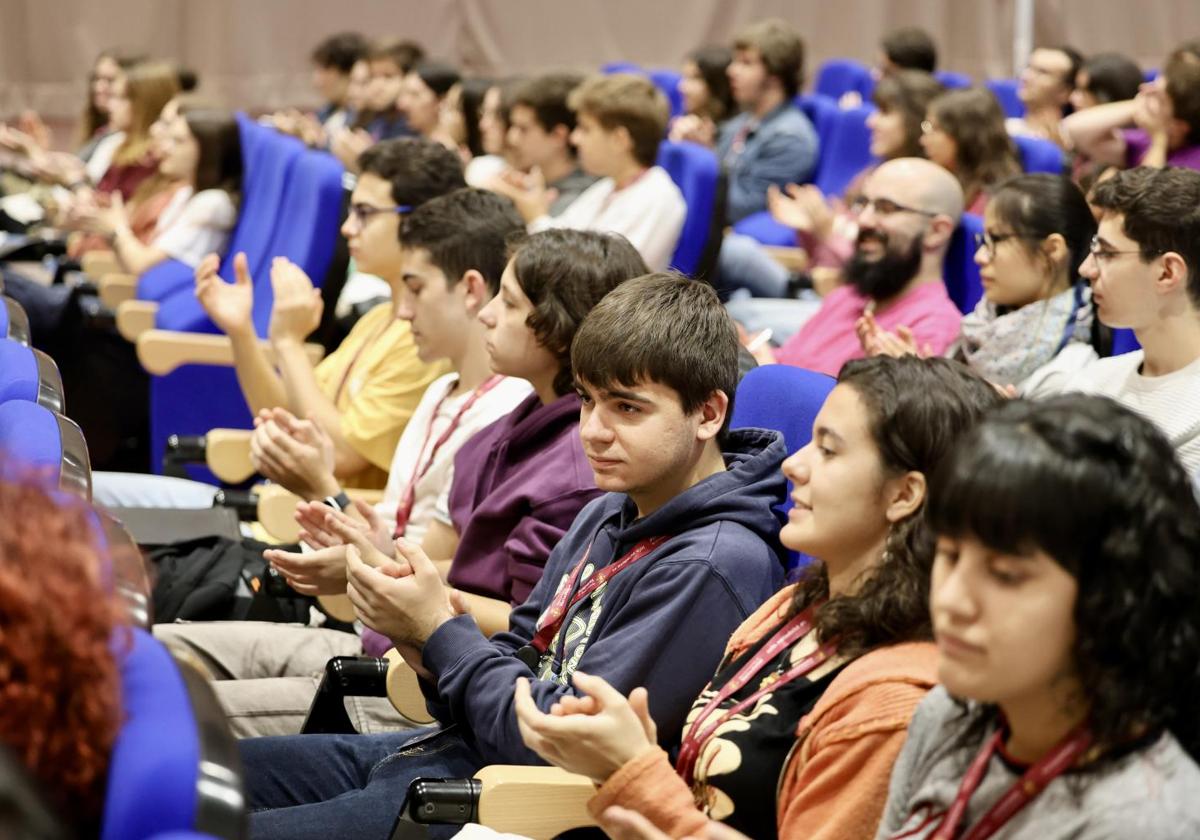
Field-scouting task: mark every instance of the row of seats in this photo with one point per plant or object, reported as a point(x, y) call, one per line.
point(157, 787)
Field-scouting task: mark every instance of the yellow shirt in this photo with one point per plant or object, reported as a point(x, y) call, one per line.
point(375, 380)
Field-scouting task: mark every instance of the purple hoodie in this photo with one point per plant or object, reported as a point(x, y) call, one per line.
point(518, 486)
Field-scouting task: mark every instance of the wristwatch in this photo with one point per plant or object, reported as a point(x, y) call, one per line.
point(339, 502)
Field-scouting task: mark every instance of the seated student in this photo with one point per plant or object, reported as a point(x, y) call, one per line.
point(1065, 599)
point(707, 98)
point(134, 105)
point(422, 94)
point(1104, 78)
point(493, 135)
point(1165, 115)
point(1144, 268)
point(812, 754)
point(61, 684)
point(1036, 311)
point(201, 149)
point(683, 543)
point(540, 124)
point(364, 392)
point(964, 133)
point(771, 141)
point(1045, 89)
point(333, 59)
point(454, 254)
point(906, 213)
point(825, 228)
point(520, 483)
point(380, 117)
point(901, 50)
point(620, 120)
point(461, 110)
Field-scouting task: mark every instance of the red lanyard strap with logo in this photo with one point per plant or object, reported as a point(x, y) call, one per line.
point(404, 510)
point(1035, 780)
point(699, 733)
point(553, 617)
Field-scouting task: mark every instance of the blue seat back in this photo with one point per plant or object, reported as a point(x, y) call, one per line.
point(696, 171)
point(14, 323)
point(961, 272)
point(1124, 341)
point(821, 112)
point(786, 399)
point(30, 435)
point(1005, 91)
point(1039, 155)
point(668, 82)
point(842, 75)
point(951, 80)
point(847, 151)
point(762, 227)
point(620, 67)
point(18, 372)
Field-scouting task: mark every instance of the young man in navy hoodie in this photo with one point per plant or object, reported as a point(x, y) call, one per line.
point(643, 590)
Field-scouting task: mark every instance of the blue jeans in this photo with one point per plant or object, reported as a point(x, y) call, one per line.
point(321, 786)
point(743, 264)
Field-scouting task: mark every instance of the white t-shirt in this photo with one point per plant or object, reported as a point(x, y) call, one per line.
point(102, 156)
point(1171, 402)
point(649, 213)
point(192, 226)
point(414, 449)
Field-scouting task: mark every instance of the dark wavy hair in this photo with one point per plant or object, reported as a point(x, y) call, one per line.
point(1100, 490)
point(565, 273)
point(713, 63)
point(918, 409)
point(59, 683)
point(908, 93)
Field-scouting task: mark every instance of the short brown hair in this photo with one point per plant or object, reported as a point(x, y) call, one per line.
point(1182, 74)
point(1161, 210)
point(781, 49)
point(547, 97)
point(624, 100)
point(404, 54)
point(662, 328)
point(565, 273)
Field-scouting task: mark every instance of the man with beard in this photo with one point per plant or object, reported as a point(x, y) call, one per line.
point(906, 213)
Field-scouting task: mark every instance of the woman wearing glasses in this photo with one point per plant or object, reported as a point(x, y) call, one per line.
point(1035, 307)
point(964, 133)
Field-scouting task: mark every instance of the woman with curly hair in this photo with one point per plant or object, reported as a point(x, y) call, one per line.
point(964, 133)
point(59, 683)
point(1066, 606)
point(797, 732)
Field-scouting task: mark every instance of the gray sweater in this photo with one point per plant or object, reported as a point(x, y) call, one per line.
point(1150, 794)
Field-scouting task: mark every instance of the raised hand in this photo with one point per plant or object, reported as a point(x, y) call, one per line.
point(297, 309)
point(230, 305)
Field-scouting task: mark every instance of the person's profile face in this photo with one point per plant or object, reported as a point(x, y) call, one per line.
point(358, 85)
point(492, 130)
point(887, 133)
point(179, 149)
point(420, 104)
point(747, 77)
point(599, 149)
point(104, 77)
point(120, 113)
point(383, 90)
point(529, 144)
point(1123, 285)
point(1046, 79)
point(435, 310)
point(693, 88)
point(374, 238)
point(512, 346)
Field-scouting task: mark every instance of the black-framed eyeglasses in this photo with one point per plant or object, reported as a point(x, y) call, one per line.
point(885, 207)
point(364, 212)
point(989, 241)
point(1103, 254)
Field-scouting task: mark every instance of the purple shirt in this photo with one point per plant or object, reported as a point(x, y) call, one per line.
point(828, 340)
point(1137, 143)
point(518, 485)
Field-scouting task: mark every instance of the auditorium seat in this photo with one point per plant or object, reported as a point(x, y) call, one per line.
point(37, 437)
point(30, 375)
point(842, 75)
point(1039, 155)
point(845, 150)
point(961, 272)
point(696, 171)
point(951, 80)
point(14, 323)
point(1005, 91)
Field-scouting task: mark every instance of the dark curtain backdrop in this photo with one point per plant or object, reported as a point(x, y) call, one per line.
point(254, 53)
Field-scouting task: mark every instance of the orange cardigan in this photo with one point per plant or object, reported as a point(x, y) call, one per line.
point(835, 782)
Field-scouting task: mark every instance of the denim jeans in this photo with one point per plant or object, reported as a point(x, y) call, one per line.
point(321, 786)
point(743, 264)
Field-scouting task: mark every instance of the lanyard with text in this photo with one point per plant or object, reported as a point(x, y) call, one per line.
point(698, 733)
point(553, 617)
point(404, 510)
point(1049, 768)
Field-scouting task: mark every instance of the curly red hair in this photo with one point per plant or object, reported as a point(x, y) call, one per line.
point(59, 684)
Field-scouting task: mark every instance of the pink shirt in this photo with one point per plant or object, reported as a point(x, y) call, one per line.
point(828, 340)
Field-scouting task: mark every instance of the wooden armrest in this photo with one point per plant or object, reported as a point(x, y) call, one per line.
point(96, 264)
point(115, 289)
point(404, 691)
point(793, 259)
point(276, 512)
point(161, 351)
point(536, 802)
point(227, 454)
point(135, 317)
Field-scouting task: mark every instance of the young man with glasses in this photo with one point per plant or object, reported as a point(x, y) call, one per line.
point(1145, 275)
point(906, 214)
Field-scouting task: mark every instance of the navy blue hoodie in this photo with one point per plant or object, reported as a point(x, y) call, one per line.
point(661, 623)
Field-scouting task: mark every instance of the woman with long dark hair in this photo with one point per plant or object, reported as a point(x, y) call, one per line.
point(964, 133)
point(1066, 607)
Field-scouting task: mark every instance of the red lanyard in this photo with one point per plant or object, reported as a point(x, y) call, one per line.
point(553, 617)
point(375, 336)
point(1035, 780)
point(788, 635)
point(404, 510)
